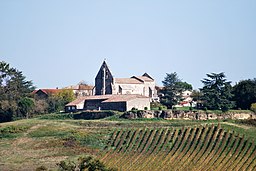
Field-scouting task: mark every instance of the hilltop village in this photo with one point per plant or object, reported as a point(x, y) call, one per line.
point(141, 93)
point(104, 122)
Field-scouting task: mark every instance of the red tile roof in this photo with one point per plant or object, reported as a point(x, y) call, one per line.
point(124, 98)
point(47, 91)
point(76, 102)
point(107, 98)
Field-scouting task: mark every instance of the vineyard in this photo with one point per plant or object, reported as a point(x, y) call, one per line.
point(199, 148)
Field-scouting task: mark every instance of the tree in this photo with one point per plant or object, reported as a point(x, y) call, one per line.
point(196, 95)
point(58, 101)
point(55, 104)
point(253, 107)
point(216, 92)
point(65, 95)
point(13, 88)
point(245, 93)
point(173, 88)
point(82, 82)
point(185, 85)
point(25, 106)
point(41, 106)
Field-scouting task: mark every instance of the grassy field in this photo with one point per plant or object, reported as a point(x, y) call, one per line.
point(47, 140)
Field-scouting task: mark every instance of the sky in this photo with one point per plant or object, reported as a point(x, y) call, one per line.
point(57, 43)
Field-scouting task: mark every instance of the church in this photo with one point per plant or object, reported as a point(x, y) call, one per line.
point(120, 94)
point(106, 84)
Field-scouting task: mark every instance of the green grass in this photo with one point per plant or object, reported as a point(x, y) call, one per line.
point(249, 133)
point(55, 116)
point(8, 130)
point(49, 131)
point(183, 108)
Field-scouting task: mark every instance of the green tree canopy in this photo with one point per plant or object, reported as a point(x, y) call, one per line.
point(25, 106)
point(58, 101)
point(66, 95)
point(13, 88)
point(185, 85)
point(173, 88)
point(196, 95)
point(245, 93)
point(216, 92)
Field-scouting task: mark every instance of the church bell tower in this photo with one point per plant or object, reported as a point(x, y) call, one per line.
point(103, 80)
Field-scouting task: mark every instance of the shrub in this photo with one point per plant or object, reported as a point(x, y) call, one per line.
point(224, 109)
point(66, 165)
point(12, 131)
point(250, 122)
point(253, 107)
point(145, 108)
point(88, 163)
point(133, 109)
point(157, 106)
point(41, 168)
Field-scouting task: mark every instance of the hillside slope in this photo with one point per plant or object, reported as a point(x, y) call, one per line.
point(127, 144)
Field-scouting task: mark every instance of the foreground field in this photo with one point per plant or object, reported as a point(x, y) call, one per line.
point(128, 145)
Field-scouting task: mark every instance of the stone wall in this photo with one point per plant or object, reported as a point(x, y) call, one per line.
point(92, 104)
point(138, 103)
point(93, 115)
point(193, 115)
point(117, 106)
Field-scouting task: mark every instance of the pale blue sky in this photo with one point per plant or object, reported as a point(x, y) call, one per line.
point(57, 43)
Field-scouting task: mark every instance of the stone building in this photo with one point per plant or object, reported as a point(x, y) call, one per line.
point(80, 90)
point(105, 84)
point(121, 94)
point(109, 102)
point(45, 93)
